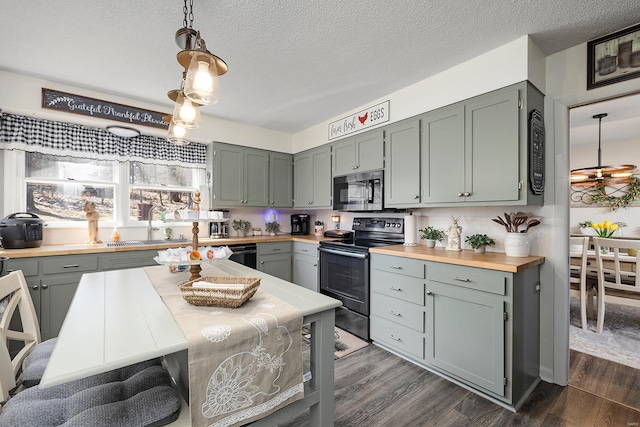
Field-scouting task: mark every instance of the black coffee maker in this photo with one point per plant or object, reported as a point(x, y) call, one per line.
point(3, 265)
point(300, 224)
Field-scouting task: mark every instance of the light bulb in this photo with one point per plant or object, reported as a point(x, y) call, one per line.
point(178, 134)
point(185, 113)
point(201, 84)
point(202, 80)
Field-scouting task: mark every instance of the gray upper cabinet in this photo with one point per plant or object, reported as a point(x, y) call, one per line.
point(364, 152)
point(241, 176)
point(280, 180)
point(442, 155)
point(312, 182)
point(402, 169)
point(492, 149)
point(475, 152)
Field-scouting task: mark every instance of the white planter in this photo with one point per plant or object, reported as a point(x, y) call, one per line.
point(431, 243)
point(481, 249)
point(517, 244)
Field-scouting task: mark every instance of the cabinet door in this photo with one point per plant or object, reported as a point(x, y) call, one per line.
point(276, 265)
point(344, 157)
point(56, 294)
point(402, 171)
point(256, 178)
point(370, 151)
point(303, 183)
point(228, 172)
point(305, 271)
point(492, 151)
point(467, 335)
point(280, 180)
point(322, 181)
point(442, 156)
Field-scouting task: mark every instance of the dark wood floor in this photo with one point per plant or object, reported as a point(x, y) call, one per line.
point(376, 388)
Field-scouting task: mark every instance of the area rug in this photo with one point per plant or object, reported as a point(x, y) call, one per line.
point(345, 343)
point(619, 340)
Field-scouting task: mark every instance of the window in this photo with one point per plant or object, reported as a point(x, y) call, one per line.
point(58, 187)
point(170, 187)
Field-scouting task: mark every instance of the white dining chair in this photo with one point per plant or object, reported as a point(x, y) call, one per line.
point(142, 394)
point(578, 275)
point(610, 275)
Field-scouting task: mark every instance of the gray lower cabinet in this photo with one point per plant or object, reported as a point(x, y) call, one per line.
point(475, 326)
point(312, 178)
point(53, 280)
point(275, 259)
point(305, 265)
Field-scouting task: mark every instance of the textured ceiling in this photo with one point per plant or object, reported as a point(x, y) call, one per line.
point(292, 63)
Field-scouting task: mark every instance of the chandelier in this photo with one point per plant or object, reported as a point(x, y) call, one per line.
point(199, 85)
point(602, 175)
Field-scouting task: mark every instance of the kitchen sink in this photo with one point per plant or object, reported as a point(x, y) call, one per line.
point(143, 242)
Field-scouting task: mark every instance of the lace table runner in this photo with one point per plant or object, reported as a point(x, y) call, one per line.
point(244, 363)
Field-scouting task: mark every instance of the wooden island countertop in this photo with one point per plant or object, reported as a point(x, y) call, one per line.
point(489, 260)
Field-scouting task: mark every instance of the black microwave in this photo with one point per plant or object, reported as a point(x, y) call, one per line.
point(358, 191)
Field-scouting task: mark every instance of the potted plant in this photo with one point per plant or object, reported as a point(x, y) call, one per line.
point(431, 235)
point(272, 228)
point(585, 228)
point(318, 228)
point(479, 242)
point(241, 226)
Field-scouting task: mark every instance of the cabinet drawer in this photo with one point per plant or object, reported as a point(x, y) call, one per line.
point(397, 336)
point(129, 259)
point(29, 266)
point(398, 311)
point(305, 249)
point(468, 277)
point(69, 264)
point(274, 248)
point(398, 265)
point(397, 286)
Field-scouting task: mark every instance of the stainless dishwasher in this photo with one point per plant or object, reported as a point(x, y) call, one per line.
point(245, 254)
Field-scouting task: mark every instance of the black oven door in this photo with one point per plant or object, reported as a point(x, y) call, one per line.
point(344, 275)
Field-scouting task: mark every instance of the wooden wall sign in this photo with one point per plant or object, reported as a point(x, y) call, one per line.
point(361, 120)
point(77, 104)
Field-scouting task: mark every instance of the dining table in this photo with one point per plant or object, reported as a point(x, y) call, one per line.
point(117, 318)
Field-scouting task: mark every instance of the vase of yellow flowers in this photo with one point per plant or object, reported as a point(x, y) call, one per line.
point(604, 229)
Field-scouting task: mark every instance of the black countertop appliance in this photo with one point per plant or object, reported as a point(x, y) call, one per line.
point(300, 224)
point(21, 230)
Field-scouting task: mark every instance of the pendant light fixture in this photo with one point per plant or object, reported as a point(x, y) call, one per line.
point(200, 84)
point(602, 175)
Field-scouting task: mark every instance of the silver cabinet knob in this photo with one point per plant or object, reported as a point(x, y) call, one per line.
point(460, 194)
point(467, 194)
point(35, 287)
point(261, 262)
point(416, 196)
point(429, 293)
point(45, 286)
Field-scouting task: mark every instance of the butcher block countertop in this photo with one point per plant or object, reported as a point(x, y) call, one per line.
point(71, 249)
point(489, 260)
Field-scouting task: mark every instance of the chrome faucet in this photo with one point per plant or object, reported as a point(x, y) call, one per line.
point(149, 227)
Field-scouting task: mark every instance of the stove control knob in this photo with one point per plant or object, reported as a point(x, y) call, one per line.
point(387, 225)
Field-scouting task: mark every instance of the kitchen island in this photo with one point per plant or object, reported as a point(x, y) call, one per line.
point(117, 318)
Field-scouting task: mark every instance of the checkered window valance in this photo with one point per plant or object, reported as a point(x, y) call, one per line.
point(67, 139)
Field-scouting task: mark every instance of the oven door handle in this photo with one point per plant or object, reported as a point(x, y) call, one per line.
point(344, 253)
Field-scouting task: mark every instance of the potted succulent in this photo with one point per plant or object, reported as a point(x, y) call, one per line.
point(241, 226)
point(479, 242)
point(318, 228)
point(431, 235)
point(272, 227)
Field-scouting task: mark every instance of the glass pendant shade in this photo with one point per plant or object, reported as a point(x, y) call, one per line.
point(177, 134)
point(201, 83)
point(186, 113)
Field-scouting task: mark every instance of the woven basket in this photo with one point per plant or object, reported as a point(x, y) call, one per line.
point(228, 298)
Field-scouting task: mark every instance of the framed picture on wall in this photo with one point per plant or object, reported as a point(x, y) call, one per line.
point(614, 58)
